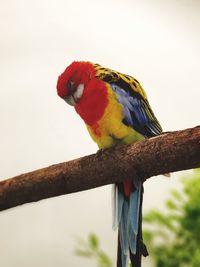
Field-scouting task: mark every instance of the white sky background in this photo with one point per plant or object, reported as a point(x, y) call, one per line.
point(155, 41)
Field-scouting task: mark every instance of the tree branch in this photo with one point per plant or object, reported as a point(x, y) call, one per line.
point(168, 152)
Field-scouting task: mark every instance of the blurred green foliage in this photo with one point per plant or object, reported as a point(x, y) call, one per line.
point(173, 237)
point(91, 249)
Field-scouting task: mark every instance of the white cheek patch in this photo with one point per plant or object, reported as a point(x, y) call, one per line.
point(79, 91)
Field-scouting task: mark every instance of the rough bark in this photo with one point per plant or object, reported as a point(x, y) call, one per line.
point(168, 152)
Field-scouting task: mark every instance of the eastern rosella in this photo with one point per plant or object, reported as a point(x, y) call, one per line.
point(115, 109)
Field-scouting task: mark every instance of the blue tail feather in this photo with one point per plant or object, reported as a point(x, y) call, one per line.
point(114, 207)
point(127, 218)
point(134, 208)
point(118, 201)
point(124, 260)
point(124, 229)
point(132, 241)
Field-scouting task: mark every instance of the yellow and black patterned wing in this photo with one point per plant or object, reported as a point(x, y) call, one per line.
point(137, 111)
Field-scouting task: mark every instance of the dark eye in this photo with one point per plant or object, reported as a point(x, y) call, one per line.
point(70, 85)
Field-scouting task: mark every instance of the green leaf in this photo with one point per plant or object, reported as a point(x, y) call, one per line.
point(91, 249)
point(104, 260)
point(83, 253)
point(177, 195)
point(157, 217)
point(171, 205)
point(93, 241)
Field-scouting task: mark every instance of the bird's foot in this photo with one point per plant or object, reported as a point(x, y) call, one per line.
point(99, 154)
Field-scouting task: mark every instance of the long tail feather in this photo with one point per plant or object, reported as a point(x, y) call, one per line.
point(122, 259)
point(134, 208)
point(117, 203)
point(128, 217)
point(136, 256)
point(123, 229)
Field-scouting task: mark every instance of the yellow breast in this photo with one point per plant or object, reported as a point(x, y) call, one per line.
point(110, 129)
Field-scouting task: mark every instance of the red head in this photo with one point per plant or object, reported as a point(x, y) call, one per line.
point(72, 82)
point(79, 87)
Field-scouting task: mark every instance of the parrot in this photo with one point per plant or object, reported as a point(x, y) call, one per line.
point(116, 111)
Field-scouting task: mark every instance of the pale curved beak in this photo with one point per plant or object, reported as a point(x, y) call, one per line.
point(70, 100)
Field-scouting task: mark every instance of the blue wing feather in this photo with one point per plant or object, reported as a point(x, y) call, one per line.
point(137, 112)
